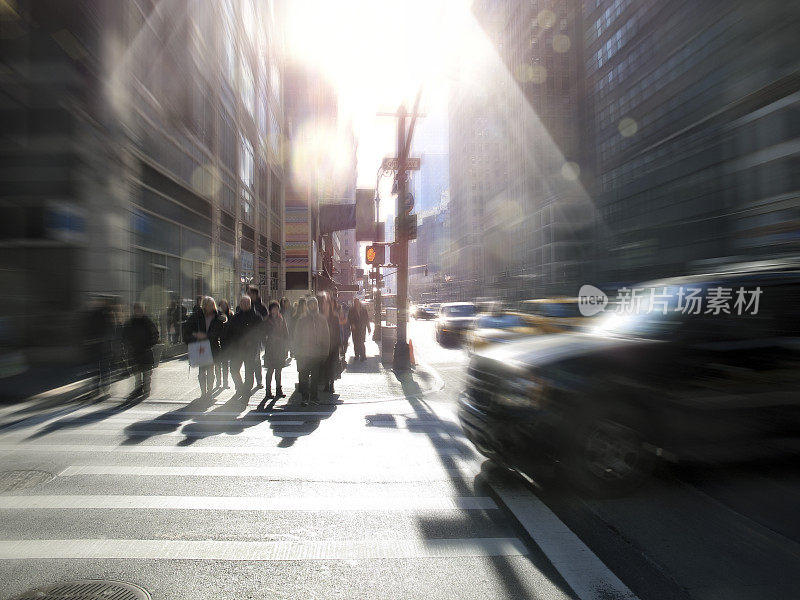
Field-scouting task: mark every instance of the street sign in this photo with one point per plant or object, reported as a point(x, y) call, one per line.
point(409, 203)
point(346, 288)
point(392, 164)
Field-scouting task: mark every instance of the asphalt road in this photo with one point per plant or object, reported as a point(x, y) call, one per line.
point(374, 493)
point(724, 528)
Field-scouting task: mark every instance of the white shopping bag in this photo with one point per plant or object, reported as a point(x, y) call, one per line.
point(200, 354)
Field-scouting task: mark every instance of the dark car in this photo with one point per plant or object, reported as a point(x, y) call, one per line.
point(424, 312)
point(603, 405)
point(454, 321)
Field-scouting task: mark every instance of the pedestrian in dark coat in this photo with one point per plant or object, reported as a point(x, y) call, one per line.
point(311, 348)
point(261, 310)
point(298, 312)
point(277, 349)
point(101, 327)
point(205, 324)
point(243, 339)
point(140, 334)
point(222, 366)
point(359, 324)
point(332, 361)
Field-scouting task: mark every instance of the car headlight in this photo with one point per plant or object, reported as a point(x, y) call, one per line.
point(523, 392)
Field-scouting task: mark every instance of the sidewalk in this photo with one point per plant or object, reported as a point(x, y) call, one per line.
point(174, 381)
point(361, 382)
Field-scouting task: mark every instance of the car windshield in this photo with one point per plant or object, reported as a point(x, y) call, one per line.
point(500, 321)
point(459, 310)
point(655, 312)
point(561, 310)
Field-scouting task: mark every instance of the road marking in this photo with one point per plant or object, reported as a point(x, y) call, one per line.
point(258, 551)
point(240, 503)
point(88, 422)
point(585, 573)
point(153, 449)
point(130, 416)
point(334, 471)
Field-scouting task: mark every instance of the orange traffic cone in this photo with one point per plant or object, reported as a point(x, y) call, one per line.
point(411, 353)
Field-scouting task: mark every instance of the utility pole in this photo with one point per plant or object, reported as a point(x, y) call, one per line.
point(402, 359)
point(377, 333)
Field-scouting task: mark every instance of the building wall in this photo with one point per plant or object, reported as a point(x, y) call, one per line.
point(645, 136)
point(160, 145)
point(696, 131)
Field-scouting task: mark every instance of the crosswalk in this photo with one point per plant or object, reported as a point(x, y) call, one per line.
point(333, 483)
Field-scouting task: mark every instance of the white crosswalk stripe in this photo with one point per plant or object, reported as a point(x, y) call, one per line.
point(281, 503)
point(340, 450)
point(257, 551)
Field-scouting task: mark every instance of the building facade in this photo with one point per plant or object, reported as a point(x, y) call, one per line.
point(695, 125)
point(154, 162)
point(647, 138)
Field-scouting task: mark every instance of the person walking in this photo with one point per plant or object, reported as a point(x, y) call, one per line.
point(277, 349)
point(332, 361)
point(311, 339)
point(222, 366)
point(360, 326)
point(262, 311)
point(244, 340)
point(344, 328)
point(139, 335)
point(298, 312)
point(100, 330)
point(206, 324)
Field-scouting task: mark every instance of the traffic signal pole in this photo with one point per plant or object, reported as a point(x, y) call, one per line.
point(402, 359)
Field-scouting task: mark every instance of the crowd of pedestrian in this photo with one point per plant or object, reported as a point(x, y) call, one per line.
point(314, 331)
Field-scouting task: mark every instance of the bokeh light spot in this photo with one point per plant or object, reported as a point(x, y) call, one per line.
point(628, 127)
point(538, 74)
point(546, 19)
point(561, 43)
point(570, 171)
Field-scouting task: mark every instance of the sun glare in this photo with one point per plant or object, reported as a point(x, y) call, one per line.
point(379, 54)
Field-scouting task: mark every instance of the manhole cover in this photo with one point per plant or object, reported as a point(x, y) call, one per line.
point(87, 589)
point(11, 481)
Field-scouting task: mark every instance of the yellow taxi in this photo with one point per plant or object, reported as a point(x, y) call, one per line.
point(500, 327)
point(554, 315)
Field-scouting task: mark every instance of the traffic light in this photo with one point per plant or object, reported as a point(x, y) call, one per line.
point(375, 255)
point(394, 254)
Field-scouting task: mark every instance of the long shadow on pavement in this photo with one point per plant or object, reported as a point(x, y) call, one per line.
point(219, 421)
point(437, 430)
point(164, 423)
point(87, 418)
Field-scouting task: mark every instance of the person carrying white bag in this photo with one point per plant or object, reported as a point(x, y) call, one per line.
point(203, 331)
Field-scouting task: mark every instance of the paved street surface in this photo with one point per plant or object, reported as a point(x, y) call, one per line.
point(372, 494)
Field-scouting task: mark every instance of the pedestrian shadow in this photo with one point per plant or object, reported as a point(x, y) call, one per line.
point(167, 422)
point(87, 418)
point(217, 421)
point(310, 415)
point(445, 435)
point(85, 400)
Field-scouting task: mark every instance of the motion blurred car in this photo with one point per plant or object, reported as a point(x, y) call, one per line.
point(454, 321)
point(499, 328)
point(674, 383)
point(424, 312)
point(553, 315)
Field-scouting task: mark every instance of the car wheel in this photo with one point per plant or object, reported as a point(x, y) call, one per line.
point(605, 458)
